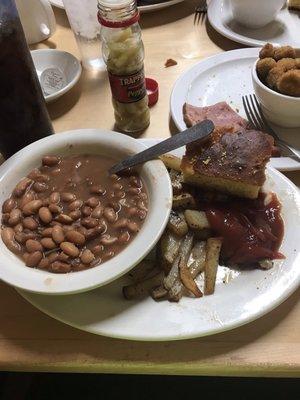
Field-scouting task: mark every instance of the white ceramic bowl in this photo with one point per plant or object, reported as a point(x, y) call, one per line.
point(64, 61)
point(93, 141)
point(278, 108)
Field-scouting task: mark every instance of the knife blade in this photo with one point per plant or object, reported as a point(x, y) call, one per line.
point(196, 132)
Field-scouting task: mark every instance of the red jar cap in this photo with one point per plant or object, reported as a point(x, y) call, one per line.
point(152, 91)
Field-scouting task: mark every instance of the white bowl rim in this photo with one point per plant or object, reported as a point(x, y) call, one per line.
point(65, 89)
point(267, 89)
point(14, 272)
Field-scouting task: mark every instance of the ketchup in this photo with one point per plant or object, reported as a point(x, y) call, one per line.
point(251, 230)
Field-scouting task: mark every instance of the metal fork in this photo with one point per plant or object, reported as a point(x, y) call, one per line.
point(200, 12)
point(258, 121)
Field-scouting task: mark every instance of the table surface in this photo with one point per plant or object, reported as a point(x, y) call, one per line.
point(32, 341)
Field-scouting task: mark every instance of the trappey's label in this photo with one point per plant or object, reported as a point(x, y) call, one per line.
point(128, 88)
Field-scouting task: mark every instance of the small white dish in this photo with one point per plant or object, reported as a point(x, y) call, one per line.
point(285, 29)
point(143, 9)
point(89, 141)
point(65, 63)
point(278, 108)
point(255, 13)
point(249, 295)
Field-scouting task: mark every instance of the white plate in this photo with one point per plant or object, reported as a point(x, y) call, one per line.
point(246, 297)
point(225, 77)
point(285, 29)
point(143, 9)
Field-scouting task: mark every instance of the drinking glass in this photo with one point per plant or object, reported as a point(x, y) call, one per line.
point(82, 15)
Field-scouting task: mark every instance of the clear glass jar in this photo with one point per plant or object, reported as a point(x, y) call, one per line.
point(123, 53)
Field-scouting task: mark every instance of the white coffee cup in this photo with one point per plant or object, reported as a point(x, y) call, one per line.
point(255, 13)
point(37, 19)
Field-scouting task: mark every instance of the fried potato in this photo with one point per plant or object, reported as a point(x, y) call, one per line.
point(171, 161)
point(213, 249)
point(183, 200)
point(169, 245)
point(142, 270)
point(187, 279)
point(143, 288)
point(196, 219)
point(177, 224)
point(176, 181)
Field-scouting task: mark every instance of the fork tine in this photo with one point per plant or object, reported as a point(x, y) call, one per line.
point(268, 127)
point(257, 115)
point(249, 112)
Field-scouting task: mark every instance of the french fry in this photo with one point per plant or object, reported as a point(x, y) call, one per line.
point(171, 161)
point(177, 224)
point(158, 293)
point(176, 181)
point(196, 219)
point(213, 249)
point(196, 265)
point(143, 288)
point(183, 254)
point(183, 200)
point(142, 270)
point(187, 279)
point(169, 245)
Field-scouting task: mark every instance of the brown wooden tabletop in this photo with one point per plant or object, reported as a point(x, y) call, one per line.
point(32, 341)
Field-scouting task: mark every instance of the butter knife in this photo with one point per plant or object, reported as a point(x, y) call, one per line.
point(196, 132)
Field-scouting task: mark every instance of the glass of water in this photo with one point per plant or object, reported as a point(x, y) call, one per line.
point(82, 15)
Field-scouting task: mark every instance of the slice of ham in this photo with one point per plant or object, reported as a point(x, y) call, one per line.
point(221, 114)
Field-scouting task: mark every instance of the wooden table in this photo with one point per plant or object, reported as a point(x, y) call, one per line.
point(32, 341)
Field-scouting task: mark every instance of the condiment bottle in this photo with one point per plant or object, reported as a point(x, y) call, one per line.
point(123, 52)
point(23, 114)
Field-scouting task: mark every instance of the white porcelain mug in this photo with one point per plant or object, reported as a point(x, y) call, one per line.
point(37, 19)
point(255, 13)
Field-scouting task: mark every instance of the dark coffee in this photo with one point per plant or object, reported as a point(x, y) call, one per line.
point(23, 114)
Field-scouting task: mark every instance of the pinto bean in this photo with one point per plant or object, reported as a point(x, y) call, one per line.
point(21, 187)
point(8, 237)
point(8, 205)
point(55, 197)
point(75, 205)
point(40, 187)
point(42, 178)
point(54, 208)
point(75, 237)
point(33, 245)
point(18, 228)
point(97, 189)
point(97, 212)
point(14, 217)
point(30, 223)
point(50, 161)
point(86, 211)
point(58, 234)
point(135, 181)
point(22, 237)
point(110, 214)
point(33, 259)
point(92, 202)
point(5, 218)
point(75, 215)
point(64, 219)
point(27, 197)
point(133, 226)
point(121, 223)
point(53, 256)
point(89, 222)
point(87, 256)
point(47, 232)
point(60, 267)
point(32, 207)
point(34, 174)
point(68, 197)
point(70, 249)
point(48, 243)
point(44, 263)
point(45, 215)
point(93, 232)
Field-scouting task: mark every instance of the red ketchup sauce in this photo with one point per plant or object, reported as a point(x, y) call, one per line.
point(251, 230)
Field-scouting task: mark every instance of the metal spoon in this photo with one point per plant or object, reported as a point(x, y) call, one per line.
point(196, 132)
